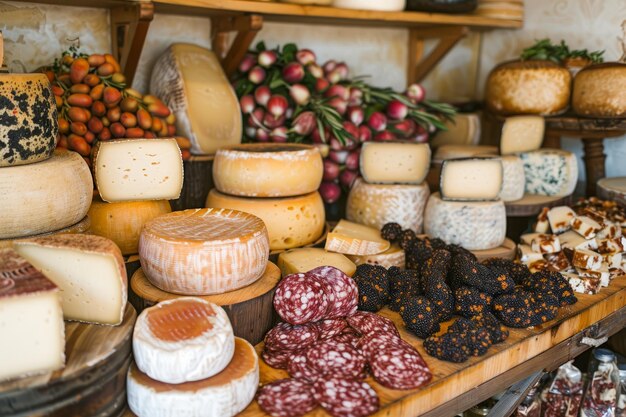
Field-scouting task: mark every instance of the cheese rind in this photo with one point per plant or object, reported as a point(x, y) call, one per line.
point(355, 239)
point(268, 170)
point(181, 340)
point(560, 219)
point(456, 151)
point(513, 179)
point(395, 162)
point(204, 251)
point(522, 134)
point(44, 197)
point(378, 204)
point(469, 179)
point(550, 172)
point(80, 227)
point(394, 256)
point(138, 169)
point(296, 261)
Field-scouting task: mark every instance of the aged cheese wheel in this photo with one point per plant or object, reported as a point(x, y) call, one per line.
point(122, 222)
point(80, 227)
point(291, 221)
point(28, 119)
point(528, 87)
point(44, 197)
point(204, 251)
point(600, 90)
point(268, 170)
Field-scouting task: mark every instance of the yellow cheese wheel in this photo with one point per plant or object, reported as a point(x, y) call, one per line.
point(80, 227)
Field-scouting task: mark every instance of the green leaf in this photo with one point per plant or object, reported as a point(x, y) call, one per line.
point(260, 47)
point(289, 52)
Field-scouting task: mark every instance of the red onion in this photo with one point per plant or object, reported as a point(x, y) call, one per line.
point(277, 105)
point(247, 63)
point(304, 124)
point(397, 110)
point(262, 135)
point(406, 128)
point(262, 95)
point(267, 58)
point(348, 177)
point(256, 75)
point(416, 93)
point(331, 170)
point(273, 122)
point(247, 104)
point(300, 94)
point(337, 90)
point(279, 134)
point(365, 134)
point(305, 56)
point(330, 192)
point(293, 72)
point(356, 115)
point(377, 121)
point(338, 156)
point(352, 161)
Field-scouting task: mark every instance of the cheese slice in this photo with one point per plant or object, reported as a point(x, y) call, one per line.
point(268, 170)
point(222, 395)
point(542, 225)
point(469, 179)
point(463, 130)
point(586, 259)
point(474, 225)
point(302, 260)
point(191, 82)
point(560, 219)
point(513, 179)
point(44, 197)
point(122, 222)
point(138, 169)
point(457, 151)
point(28, 119)
point(291, 222)
point(522, 134)
point(378, 204)
point(88, 269)
point(78, 228)
point(550, 172)
point(204, 251)
point(585, 226)
point(181, 340)
point(394, 256)
point(355, 239)
point(394, 162)
point(573, 240)
point(546, 244)
point(527, 256)
point(31, 320)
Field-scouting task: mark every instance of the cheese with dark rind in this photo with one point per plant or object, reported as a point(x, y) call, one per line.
point(600, 90)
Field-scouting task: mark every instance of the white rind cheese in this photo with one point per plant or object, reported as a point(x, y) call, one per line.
point(191, 82)
point(476, 225)
point(296, 261)
point(181, 340)
point(474, 178)
point(522, 134)
point(394, 256)
point(394, 162)
point(550, 172)
point(513, 178)
point(378, 204)
point(80, 227)
point(355, 239)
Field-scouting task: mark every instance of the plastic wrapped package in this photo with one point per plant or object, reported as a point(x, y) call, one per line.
point(621, 401)
point(563, 395)
point(531, 406)
point(602, 390)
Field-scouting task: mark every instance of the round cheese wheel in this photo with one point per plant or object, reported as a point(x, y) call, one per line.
point(181, 340)
point(613, 189)
point(446, 152)
point(600, 90)
point(80, 227)
point(204, 251)
point(122, 222)
point(46, 196)
point(28, 119)
point(291, 221)
point(268, 170)
point(528, 87)
point(223, 395)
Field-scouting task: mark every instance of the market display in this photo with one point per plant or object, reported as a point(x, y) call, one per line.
point(464, 130)
point(394, 256)
point(513, 178)
point(351, 238)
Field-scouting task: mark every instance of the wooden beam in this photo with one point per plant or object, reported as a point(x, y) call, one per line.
point(448, 38)
point(514, 396)
point(246, 27)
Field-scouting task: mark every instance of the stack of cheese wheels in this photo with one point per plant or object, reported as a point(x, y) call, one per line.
point(135, 179)
point(42, 191)
point(188, 362)
point(277, 183)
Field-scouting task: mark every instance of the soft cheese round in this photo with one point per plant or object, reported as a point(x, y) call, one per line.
point(182, 340)
point(204, 251)
point(268, 170)
point(28, 119)
point(44, 197)
point(600, 90)
point(513, 179)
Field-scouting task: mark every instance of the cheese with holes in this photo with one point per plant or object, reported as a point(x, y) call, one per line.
point(291, 222)
point(204, 251)
point(513, 178)
point(122, 222)
point(474, 225)
point(394, 162)
point(471, 179)
point(394, 256)
point(223, 395)
point(355, 239)
point(522, 134)
point(28, 119)
point(44, 197)
point(560, 219)
point(585, 226)
point(181, 340)
point(268, 170)
point(191, 82)
point(138, 169)
point(78, 228)
point(378, 204)
point(88, 269)
point(463, 130)
point(551, 172)
point(31, 320)
point(445, 152)
point(302, 260)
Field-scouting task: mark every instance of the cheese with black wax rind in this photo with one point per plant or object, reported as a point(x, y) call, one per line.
point(467, 179)
point(550, 172)
point(394, 162)
point(522, 134)
point(352, 238)
point(295, 261)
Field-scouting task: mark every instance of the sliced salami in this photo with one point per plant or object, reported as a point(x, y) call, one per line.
point(298, 367)
point(332, 358)
point(347, 337)
point(278, 359)
point(365, 323)
point(287, 398)
point(399, 369)
point(368, 345)
point(301, 299)
point(285, 336)
point(342, 291)
point(346, 398)
point(331, 327)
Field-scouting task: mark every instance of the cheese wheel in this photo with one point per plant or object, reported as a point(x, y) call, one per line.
point(513, 179)
point(355, 239)
point(122, 222)
point(613, 189)
point(387, 5)
point(474, 178)
point(291, 221)
point(223, 395)
point(28, 119)
point(400, 162)
point(394, 256)
point(44, 197)
point(600, 90)
point(551, 172)
point(204, 251)
point(463, 130)
point(80, 227)
point(268, 170)
point(378, 204)
point(297, 261)
point(182, 340)
point(475, 225)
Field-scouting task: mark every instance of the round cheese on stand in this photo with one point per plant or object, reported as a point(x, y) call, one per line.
point(600, 90)
point(268, 170)
point(204, 251)
point(182, 340)
point(223, 395)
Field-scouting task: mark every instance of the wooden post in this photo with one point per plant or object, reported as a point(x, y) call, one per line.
point(3, 68)
point(594, 163)
point(448, 38)
point(246, 27)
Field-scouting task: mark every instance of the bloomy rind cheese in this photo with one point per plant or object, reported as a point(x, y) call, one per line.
point(550, 172)
point(44, 197)
point(394, 162)
point(302, 260)
point(78, 228)
point(394, 256)
point(378, 204)
point(474, 178)
point(355, 239)
point(28, 119)
point(268, 170)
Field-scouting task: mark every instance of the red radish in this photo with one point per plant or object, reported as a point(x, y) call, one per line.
point(256, 117)
point(406, 128)
point(330, 192)
point(397, 110)
point(317, 137)
point(338, 104)
point(247, 63)
point(416, 93)
point(262, 135)
point(256, 75)
point(277, 105)
point(432, 128)
point(351, 143)
point(342, 70)
point(421, 137)
point(384, 136)
point(348, 177)
point(262, 95)
point(356, 97)
point(329, 66)
point(338, 91)
point(338, 156)
point(279, 134)
point(365, 134)
point(331, 170)
point(321, 84)
point(247, 104)
point(351, 129)
point(335, 145)
point(304, 124)
point(352, 161)
point(356, 115)
point(305, 56)
point(267, 58)
point(300, 94)
point(377, 121)
point(333, 77)
point(315, 70)
point(273, 122)
point(293, 72)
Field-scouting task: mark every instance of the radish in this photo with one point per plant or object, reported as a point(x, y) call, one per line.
point(330, 192)
point(315, 70)
point(279, 134)
point(305, 56)
point(365, 134)
point(397, 110)
point(321, 84)
point(273, 122)
point(421, 137)
point(277, 105)
point(329, 66)
point(348, 177)
point(406, 128)
point(338, 156)
point(256, 75)
point(338, 91)
point(247, 104)
point(356, 115)
point(351, 129)
point(342, 70)
point(331, 170)
point(335, 145)
point(385, 135)
point(262, 95)
point(289, 112)
point(352, 161)
point(304, 124)
point(338, 104)
point(356, 97)
point(333, 77)
point(317, 138)
point(262, 135)
point(256, 117)
point(377, 121)
point(300, 94)
point(247, 63)
point(293, 72)
point(416, 93)
point(267, 58)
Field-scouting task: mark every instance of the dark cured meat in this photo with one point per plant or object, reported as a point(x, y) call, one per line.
point(300, 299)
point(287, 398)
point(285, 336)
point(278, 359)
point(345, 398)
point(334, 359)
point(400, 368)
point(331, 327)
point(365, 322)
point(298, 367)
point(341, 290)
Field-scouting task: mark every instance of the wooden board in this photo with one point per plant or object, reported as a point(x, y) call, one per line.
point(613, 189)
point(250, 309)
point(506, 251)
point(531, 205)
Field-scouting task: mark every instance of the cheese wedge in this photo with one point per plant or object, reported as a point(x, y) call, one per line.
point(560, 219)
point(394, 162)
point(526, 254)
point(469, 179)
point(394, 256)
point(457, 151)
point(521, 134)
point(551, 172)
point(355, 239)
point(585, 226)
point(302, 260)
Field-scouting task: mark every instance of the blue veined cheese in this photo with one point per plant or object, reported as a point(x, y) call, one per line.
point(550, 172)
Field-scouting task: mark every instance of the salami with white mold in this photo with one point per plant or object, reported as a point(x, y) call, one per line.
point(365, 322)
point(285, 336)
point(399, 368)
point(276, 359)
point(300, 299)
point(346, 398)
point(287, 398)
point(333, 359)
point(342, 291)
point(331, 327)
point(298, 367)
